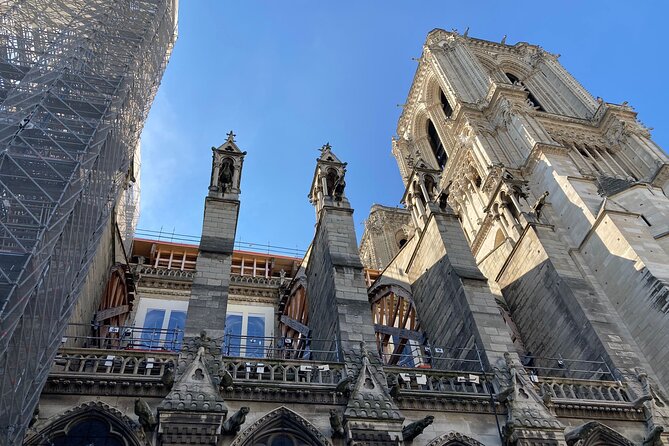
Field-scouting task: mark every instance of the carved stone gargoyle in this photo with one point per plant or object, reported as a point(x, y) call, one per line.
point(146, 418)
point(336, 424)
point(416, 428)
point(234, 423)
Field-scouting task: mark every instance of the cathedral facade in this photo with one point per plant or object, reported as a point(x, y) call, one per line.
point(519, 297)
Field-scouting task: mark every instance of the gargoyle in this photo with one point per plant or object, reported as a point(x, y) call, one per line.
point(234, 423)
point(416, 428)
point(336, 424)
point(146, 418)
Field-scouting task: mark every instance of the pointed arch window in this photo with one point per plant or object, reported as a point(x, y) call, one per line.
point(445, 105)
point(436, 145)
point(514, 80)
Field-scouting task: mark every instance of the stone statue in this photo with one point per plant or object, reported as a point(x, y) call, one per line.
point(225, 175)
point(538, 206)
point(146, 418)
point(339, 186)
point(234, 423)
point(344, 386)
point(416, 428)
point(226, 379)
point(168, 376)
point(336, 424)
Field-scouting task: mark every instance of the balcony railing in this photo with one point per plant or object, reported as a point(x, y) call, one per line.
point(168, 273)
point(580, 390)
point(437, 358)
point(278, 348)
point(426, 380)
point(125, 337)
point(578, 369)
point(284, 371)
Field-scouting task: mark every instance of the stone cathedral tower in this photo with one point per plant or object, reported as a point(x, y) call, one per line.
point(519, 297)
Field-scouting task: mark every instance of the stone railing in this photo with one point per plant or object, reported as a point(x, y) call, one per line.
point(110, 372)
point(437, 381)
point(245, 371)
point(582, 390)
point(167, 273)
point(257, 280)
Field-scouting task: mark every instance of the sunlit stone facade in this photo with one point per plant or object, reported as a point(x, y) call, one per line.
point(519, 296)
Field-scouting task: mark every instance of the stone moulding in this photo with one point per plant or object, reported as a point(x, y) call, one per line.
point(455, 437)
point(119, 423)
point(276, 416)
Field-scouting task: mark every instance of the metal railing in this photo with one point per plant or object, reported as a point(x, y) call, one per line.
point(279, 348)
point(437, 358)
point(125, 337)
point(264, 248)
point(579, 369)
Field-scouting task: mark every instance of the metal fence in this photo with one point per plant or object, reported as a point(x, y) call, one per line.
point(126, 337)
point(278, 348)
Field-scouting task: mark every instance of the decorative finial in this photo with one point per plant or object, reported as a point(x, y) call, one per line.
point(231, 136)
point(326, 146)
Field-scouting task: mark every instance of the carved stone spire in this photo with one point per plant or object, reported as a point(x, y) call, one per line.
point(327, 187)
point(226, 170)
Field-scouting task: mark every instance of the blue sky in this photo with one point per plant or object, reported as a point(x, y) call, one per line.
point(289, 76)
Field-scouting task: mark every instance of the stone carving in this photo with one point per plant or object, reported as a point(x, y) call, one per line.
point(595, 433)
point(226, 175)
point(233, 424)
point(455, 437)
point(274, 418)
point(146, 418)
point(339, 186)
point(416, 428)
point(526, 411)
point(168, 376)
point(336, 424)
point(370, 399)
point(652, 407)
point(539, 204)
point(194, 389)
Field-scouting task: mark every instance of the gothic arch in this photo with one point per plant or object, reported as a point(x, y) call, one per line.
point(513, 66)
point(491, 66)
point(454, 439)
point(119, 426)
point(433, 90)
point(595, 433)
point(282, 420)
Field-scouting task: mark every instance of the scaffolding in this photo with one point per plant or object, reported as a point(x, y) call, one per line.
point(77, 78)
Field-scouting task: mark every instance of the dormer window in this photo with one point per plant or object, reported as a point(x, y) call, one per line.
point(445, 105)
point(514, 80)
point(436, 145)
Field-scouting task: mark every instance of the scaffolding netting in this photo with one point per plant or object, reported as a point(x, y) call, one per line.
point(77, 78)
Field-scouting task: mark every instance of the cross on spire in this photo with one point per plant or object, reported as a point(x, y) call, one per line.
point(231, 136)
point(326, 146)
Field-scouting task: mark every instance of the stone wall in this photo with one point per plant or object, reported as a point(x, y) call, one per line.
point(209, 295)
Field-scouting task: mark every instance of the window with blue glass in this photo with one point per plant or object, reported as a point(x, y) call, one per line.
point(233, 335)
point(153, 325)
point(255, 336)
point(175, 330)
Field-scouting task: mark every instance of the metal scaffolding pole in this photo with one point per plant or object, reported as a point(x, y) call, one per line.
point(77, 78)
